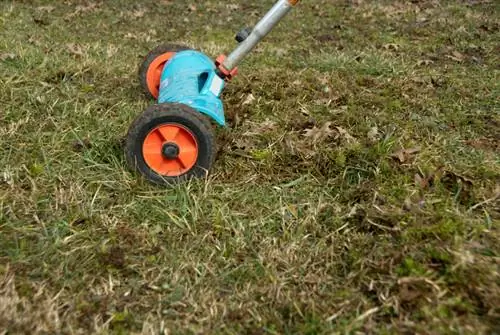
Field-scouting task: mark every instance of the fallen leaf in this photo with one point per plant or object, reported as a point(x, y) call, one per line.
point(47, 9)
point(290, 212)
point(424, 62)
point(43, 21)
point(456, 56)
point(411, 204)
point(91, 7)
point(111, 51)
point(373, 134)
point(33, 40)
point(421, 181)
point(81, 145)
point(295, 147)
point(391, 46)
point(460, 186)
point(75, 49)
point(484, 143)
point(345, 134)
point(425, 182)
point(258, 128)
point(304, 111)
point(7, 56)
point(405, 155)
point(249, 99)
point(456, 177)
point(280, 52)
point(138, 13)
point(241, 142)
point(316, 134)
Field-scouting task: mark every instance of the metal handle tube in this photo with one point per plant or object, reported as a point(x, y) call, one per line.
point(268, 22)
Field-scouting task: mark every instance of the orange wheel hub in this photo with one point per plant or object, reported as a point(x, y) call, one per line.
point(170, 150)
point(153, 75)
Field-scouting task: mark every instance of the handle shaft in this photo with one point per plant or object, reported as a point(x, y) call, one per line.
point(263, 27)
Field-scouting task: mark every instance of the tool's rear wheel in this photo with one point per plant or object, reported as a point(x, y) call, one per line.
point(152, 67)
point(169, 143)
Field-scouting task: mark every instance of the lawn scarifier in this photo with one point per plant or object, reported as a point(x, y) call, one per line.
point(172, 140)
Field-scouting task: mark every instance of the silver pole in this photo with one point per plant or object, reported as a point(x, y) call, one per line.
point(271, 19)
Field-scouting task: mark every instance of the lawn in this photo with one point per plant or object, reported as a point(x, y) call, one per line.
point(356, 188)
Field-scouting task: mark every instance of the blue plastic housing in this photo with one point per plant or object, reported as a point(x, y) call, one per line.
point(190, 78)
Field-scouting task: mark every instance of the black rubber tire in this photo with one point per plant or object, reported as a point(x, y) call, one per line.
point(150, 57)
point(165, 113)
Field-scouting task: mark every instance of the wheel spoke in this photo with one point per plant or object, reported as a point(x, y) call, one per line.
point(188, 149)
point(152, 147)
point(153, 143)
point(185, 141)
point(168, 134)
point(187, 157)
point(154, 159)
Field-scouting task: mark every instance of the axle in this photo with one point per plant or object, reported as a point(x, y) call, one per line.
point(263, 27)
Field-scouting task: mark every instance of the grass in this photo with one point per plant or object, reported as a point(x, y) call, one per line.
point(358, 192)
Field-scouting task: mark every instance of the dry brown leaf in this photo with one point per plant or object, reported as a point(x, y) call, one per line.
point(47, 9)
point(373, 134)
point(304, 111)
point(280, 52)
point(131, 36)
point(249, 100)
point(345, 134)
point(411, 203)
point(75, 49)
point(267, 125)
point(456, 56)
point(242, 144)
point(484, 143)
point(461, 186)
point(111, 50)
point(296, 147)
point(424, 62)
point(421, 181)
point(138, 13)
point(391, 46)
point(258, 128)
point(316, 134)
point(428, 181)
point(90, 7)
point(7, 56)
point(405, 155)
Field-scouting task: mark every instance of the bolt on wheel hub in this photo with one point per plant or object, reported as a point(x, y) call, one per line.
point(170, 150)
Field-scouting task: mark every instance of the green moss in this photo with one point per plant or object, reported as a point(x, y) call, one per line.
point(410, 267)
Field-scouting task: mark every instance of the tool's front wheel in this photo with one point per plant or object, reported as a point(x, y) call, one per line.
point(170, 143)
point(152, 67)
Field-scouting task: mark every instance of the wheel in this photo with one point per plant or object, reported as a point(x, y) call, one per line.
point(152, 66)
point(170, 143)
